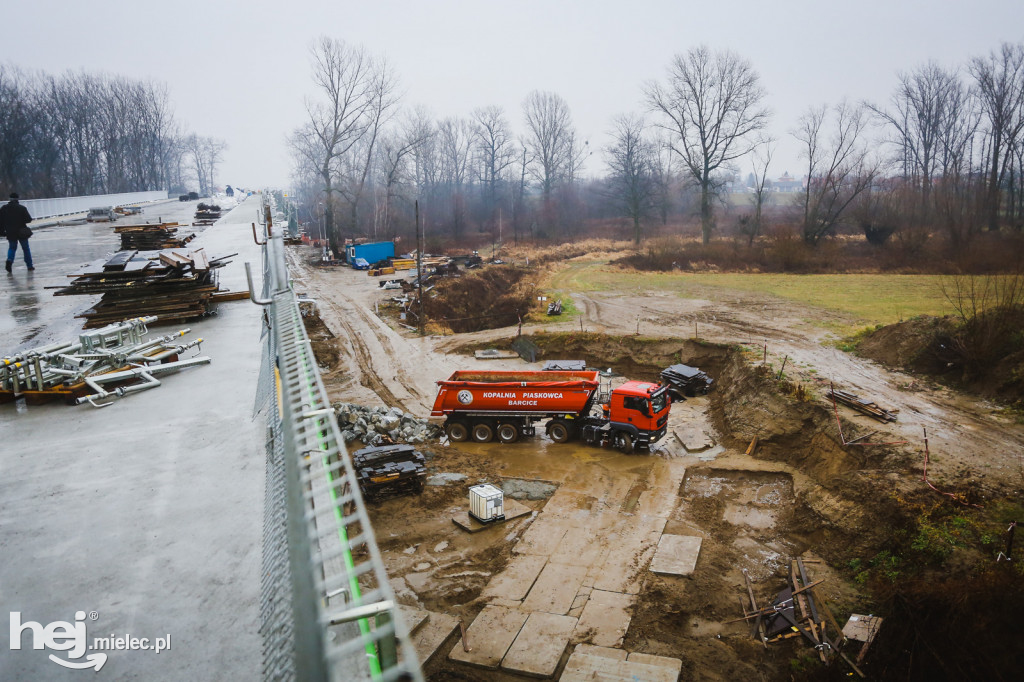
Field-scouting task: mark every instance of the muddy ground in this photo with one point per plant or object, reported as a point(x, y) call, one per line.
point(801, 493)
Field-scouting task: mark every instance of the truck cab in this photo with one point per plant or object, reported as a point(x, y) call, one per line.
point(640, 409)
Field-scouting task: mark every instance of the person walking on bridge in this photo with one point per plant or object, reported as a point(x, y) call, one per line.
point(14, 220)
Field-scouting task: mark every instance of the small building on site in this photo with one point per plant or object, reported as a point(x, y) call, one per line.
point(371, 252)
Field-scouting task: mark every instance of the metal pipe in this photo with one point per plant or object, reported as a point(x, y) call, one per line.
point(365, 611)
point(252, 291)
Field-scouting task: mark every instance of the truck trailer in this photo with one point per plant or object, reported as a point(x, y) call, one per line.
point(482, 406)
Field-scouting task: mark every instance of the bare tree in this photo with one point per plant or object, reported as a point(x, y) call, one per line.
point(712, 105)
point(394, 155)
point(205, 154)
point(762, 159)
point(927, 103)
point(455, 138)
point(495, 150)
point(357, 90)
point(550, 139)
point(1000, 81)
point(16, 124)
point(630, 162)
point(839, 166)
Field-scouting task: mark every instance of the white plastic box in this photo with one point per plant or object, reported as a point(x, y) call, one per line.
point(486, 503)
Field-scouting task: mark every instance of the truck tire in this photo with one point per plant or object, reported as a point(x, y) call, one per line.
point(559, 431)
point(483, 433)
point(457, 432)
point(623, 442)
point(508, 432)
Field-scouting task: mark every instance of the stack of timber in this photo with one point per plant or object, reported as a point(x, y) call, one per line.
point(174, 284)
point(206, 214)
point(867, 407)
point(151, 237)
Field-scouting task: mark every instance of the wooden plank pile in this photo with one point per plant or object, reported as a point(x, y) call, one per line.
point(151, 237)
point(174, 284)
point(206, 214)
point(797, 611)
point(867, 407)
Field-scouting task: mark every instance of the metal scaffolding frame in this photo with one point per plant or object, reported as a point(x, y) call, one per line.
point(327, 610)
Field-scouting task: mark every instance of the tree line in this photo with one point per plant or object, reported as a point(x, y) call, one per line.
point(944, 153)
point(83, 133)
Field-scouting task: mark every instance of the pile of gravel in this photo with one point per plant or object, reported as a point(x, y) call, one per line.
point(369, 425)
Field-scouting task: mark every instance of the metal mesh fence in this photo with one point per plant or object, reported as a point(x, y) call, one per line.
point(327, 610)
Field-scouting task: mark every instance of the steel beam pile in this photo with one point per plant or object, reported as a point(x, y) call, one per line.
point(868, 407)
point(174, 284)
point(151, 237)
point(117, 357)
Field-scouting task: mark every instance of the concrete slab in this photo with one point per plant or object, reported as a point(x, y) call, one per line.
point(490, 636)
point(569, 504)
point(555, 589)
point(632, 545)
point(605, 619)
point(673, 664)
point(543, 536)
point(581, 547)
point(540, 644)
point(431, 636)
point(601, 651)
point(694, 439)
point(414, 618)
point(513, 510)
point(676, 555)
point(585, 667)
point(516, 580)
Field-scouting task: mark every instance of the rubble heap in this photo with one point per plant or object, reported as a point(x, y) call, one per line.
point(382, 425)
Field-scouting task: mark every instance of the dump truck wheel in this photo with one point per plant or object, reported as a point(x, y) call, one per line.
point(559, 432)
point(457, 432)
point(483, 433)
point(508, 433)
point(623, 442)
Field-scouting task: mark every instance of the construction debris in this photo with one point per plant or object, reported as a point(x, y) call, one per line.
point(173, 284)
point(555, 307)
point(151, 237)
point(686, 382)
point(382, 425)
point(116, 356)
point(389, 470)
point(867, 407)
point(862, 629)
point(798, 611)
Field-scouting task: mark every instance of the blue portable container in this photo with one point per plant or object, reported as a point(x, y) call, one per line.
point(371, 253)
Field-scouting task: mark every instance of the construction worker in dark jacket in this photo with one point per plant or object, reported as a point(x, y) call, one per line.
point(14, 220)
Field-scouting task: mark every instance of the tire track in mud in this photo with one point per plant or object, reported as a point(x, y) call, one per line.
point(364, 359)
point(373, 323)
point(360, 351)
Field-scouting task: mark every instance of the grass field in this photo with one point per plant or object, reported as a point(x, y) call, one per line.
point(870, 299)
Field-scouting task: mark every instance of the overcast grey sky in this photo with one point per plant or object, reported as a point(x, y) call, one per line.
point(239, 70)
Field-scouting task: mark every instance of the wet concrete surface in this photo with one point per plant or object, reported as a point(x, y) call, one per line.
point(33, 316)
point(145, 515)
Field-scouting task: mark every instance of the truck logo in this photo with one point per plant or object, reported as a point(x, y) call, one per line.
point(465, 397)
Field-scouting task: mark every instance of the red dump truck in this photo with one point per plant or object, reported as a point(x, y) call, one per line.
point(483, 406)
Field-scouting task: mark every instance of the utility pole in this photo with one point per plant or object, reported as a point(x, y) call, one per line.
point(419, 264)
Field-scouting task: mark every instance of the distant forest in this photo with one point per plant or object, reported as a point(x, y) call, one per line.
point(944, 155)
point(83, 133)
